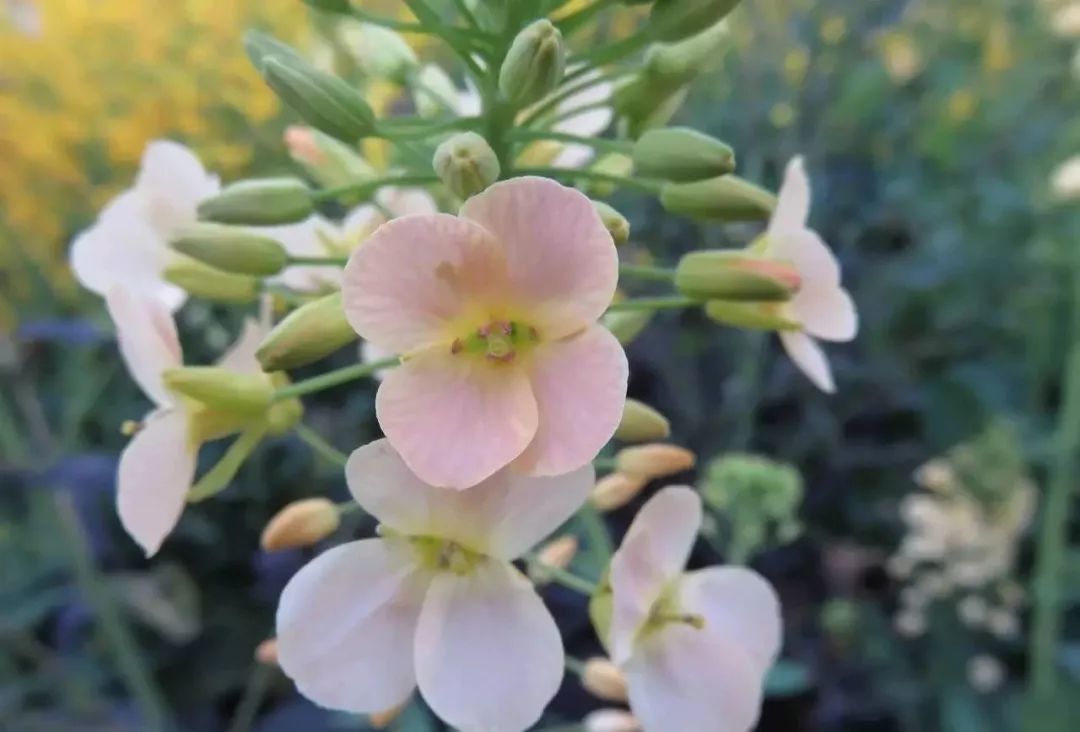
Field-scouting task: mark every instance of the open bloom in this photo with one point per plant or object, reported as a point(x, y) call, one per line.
point(821, 309)
point(128, 244)
point(695, 647)
point(435, 603)
point(495, 313)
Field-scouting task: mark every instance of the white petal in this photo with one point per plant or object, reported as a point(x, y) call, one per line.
point(808, 356)
point(370, 353)
point(793, 201)
point(241, 355)
point(503, 516)
point(815, 262)
point(156, 471)
point(406, 201)
point(826, 312)
point(740, 606)
point(148, 341)
point(591, 122)
point(653, 553)
point(346, 624)
point(488, 654)
point(306, 238)
point(170, 184)
point(573, 156)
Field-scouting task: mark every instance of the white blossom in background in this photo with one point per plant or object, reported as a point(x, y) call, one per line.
point(587, 123)
point(985, 673)
point(1065, 22)
point(1065, 180)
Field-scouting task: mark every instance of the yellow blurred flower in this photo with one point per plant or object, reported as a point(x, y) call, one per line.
point(782, 115)
point(796, 62)
point(833, 29)
point(900, 56)
point(962, 105)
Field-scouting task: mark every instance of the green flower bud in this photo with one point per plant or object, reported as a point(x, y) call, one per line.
point(434, 92)
point(201, 280)
point(380, 52)
point(466, 164)
point(329, 162)
point(260, 47)
point(231, 249)
point(626, 325)
point(642, 423)
point(330, 6)
point(601, 608)
point(261, 202)
point(323, 100)
point(676, 64)
point(534, 65)
point(642, 104)
point(221, 388)
point(311, 332)
point(675, 19)
point(727, 198)
point(751, 315)
point(284, 414)
point(681, 154)
point(614, 222)
point(218, 477)
point(735, 275)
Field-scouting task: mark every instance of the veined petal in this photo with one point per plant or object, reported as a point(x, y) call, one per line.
point(170, 184)
point(561, 260)
point(580, 388)
point(148, 341)
point(488, 654)
point(416, 275)
point(241, 354)
point(652, 555)
point(156, 470)
point(826, 312)
point(808, 356)
point(346, 624)
point(793, 201)
point(456, 420)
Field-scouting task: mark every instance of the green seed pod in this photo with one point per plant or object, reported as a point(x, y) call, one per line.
point(311, 332)
point(681, 154)
point(750, 315)
point(735, 275)
point(201, 280)
point(323, 100)
point(231, 249)
point(727, 198)
point(534, 65)
point(675, 19)
point(466, 164)
point(261, 202)
point(614, 222)
point(221, 388)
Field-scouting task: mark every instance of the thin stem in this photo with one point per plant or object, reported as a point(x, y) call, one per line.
point(597, 143)
point(645, 185)
point(334, 378)
point(318, 261)
point(253, 695)
point(642, 272)
point(460, 35)
point(566, 91)
point(466, 13)
point(672, 302)
point(564, 578)
point(320, 446)
point(604, 463)
point(404, 132)
point(580, 18)
point(368, 187)
point(460, 43)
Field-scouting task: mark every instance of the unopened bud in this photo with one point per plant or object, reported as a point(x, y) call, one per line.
point(260, 47)
point(534, 65)
point(727, 198)
point(329, 162)
point(626, 325)
point(380, 52)
point(557, 553)
point(736, 275)
point(610, 720)
point(300, 524)
point(231, 249)
point(675, 19)
point(263, 202)
point(383, 719)
point(311, 332)
point(466, 164)
point(641, 423)
point(751, 315)
point(212, 284)
point(655, 460)
point(615, 491)
point(614, 222)
point(266, 652)
point(676, 64)
point(323, 100)
point(221, 388)
point(681, 154)
point(604, 680)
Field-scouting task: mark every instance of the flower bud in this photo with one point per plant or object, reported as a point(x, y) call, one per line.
point(655, 460)
point(534, 65)
point(641, 423)
point(610, 720)
point(260, 47)
point(383, 719)
point(301, 524)
point(330, 6)
point(557, 553)
point(614, 222)
point(466, 164)
point(219, 387)
point(329, 162)
point(615, 491)
point(212, 284)
point(681, 154)
point(626, 325)
point(380, 52)
point(266, 652)
point(643, 103)
point(261, 202)
point(284, 414)
point(323, 100)
point(727, 198)
point(675, 19)
point(751, 315)
point(311, 332)
point(735, 275)
point(231, 249)
point(604, 680)
point(676, 64)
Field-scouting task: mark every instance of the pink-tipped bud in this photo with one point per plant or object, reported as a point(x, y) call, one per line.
point(266, 652)
point(615, 491)
point(655, 460)
point(300, 524)
point(302, 146)
point(557, 553)
point(604, 680)
point(611, 720)
point(736, 276)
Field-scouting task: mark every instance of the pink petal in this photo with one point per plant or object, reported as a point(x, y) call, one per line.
point(148, 340)
point(346, 624)
point(410, 282)
point(560, 257)
point(580, 389)
point(488, 654)
point(241, 355)
point(793, 201)
point(653, 553)
point(155, 473)
point(826, 312)
point(455, 420)
point(808, 356)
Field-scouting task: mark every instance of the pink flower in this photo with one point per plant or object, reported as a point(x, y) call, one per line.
point(435, 603)
point(694, 646)
point(495, 314)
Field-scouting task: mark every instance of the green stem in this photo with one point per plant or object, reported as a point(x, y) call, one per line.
point(460, 43)
point(318, 261)
point(320, 446)
point(645, 185)
point(460, 35)
point(564, 578)
point(641, 272)
point(334, 378)
point(597, 143)
point(566, 91)
point(253, 695)
point(368, 187)
point(397, 132)
point(580, 18)
point(672, 302)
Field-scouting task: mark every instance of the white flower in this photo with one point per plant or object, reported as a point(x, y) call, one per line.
point(588, 123)
point(695, 647)
point(985, 673)
point(312, 237)
point(1065, 22)
point(128, 244)
point(1065, 181)
point(822, 308)
point(435, 603)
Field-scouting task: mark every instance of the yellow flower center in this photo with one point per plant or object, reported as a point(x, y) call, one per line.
point(444, 555)
point(500, 341)
point(665, 611)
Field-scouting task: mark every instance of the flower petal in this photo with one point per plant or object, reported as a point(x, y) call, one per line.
point(488, 654)
point(455, 420)
point(416, 275)
point(653, 553)
point(793, 201)
point(826, 312)
point(148, 341)
point(406, 201)
point(580, 389)
point(739, 605)
point(346, 624)
point(808, 356)
point(307, 238)
point(504, 516)
point(589, 123)
point(155, 473)
point(241, 354)
point(170, 185)
point(815, 262)
point(559, 255)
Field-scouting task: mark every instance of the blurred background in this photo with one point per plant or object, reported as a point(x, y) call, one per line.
point(937, 135)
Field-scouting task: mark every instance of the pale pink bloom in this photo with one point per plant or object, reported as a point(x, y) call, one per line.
point(128, 244)
point(694, 646)
point(435, 603)
point(496, 314)
point(158, 466)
